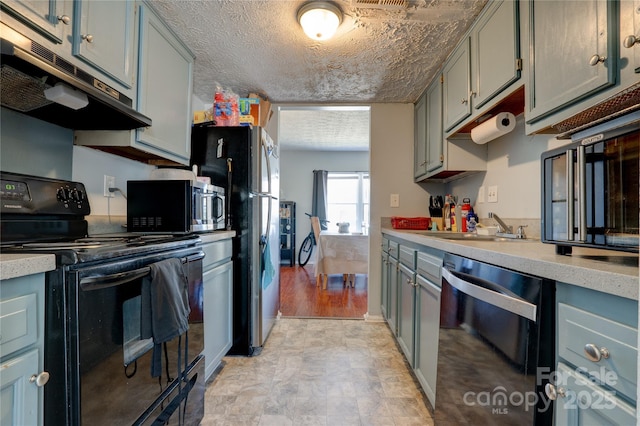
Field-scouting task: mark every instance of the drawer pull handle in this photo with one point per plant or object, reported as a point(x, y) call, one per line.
point(594, 353)
point(553, 393)
point(40, 379)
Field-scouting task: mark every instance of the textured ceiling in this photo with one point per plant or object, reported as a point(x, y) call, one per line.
point(379, 54)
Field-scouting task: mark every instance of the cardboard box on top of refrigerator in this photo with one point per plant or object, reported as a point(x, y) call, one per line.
point(265, 109)
point(249, 109)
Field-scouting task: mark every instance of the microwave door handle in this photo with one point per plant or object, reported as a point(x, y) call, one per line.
point(570, 185)
point(582, 195)
point(219, 209)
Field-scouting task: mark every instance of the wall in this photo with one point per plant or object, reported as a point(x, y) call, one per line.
point(513, 164)
point(296, 178)
point(35, 147)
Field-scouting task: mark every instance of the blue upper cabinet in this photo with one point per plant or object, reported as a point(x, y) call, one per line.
point(104, 36)
point(496, 43)
point(573, 53)
point(484, 65)
point(456, 91)
point(46, 17)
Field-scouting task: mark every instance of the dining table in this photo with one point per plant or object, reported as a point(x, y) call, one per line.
point(341, 253)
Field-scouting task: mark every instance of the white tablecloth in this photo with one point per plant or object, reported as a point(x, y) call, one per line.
point(342, 253)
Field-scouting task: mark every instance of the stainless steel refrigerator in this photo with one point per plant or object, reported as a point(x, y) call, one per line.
point(245, 161)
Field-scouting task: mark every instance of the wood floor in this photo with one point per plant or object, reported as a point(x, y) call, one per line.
point(300, 298)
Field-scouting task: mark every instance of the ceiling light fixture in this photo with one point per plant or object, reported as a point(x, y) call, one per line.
point(319, 19)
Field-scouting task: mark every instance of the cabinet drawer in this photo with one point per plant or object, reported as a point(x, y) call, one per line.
point(394, 249)
point(18, 323)
point(216, 252)
point(429, 267)
point(407, 257)
point(578, 328)
point(583, 400)
point(384, 246)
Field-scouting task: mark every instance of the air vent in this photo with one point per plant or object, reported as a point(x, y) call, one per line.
point(381, 4)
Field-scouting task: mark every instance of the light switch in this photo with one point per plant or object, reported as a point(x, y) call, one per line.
point(395, 200)
point(492, 194)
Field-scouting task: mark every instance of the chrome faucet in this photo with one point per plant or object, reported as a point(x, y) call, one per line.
point(505, 230)
point(502, 227)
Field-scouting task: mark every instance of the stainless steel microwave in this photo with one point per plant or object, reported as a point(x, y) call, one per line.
point(590, 188)
point(174, 206)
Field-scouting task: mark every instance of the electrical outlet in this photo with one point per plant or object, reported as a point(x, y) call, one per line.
point(394, 200)
point(492, 194)
point(480, 195)
point(109, 182)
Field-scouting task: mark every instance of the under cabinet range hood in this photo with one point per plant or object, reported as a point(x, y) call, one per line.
point(28, 69)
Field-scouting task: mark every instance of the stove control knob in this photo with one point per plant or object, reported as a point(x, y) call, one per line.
point(63, 194)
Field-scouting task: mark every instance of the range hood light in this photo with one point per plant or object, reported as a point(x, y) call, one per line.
point(67, 96)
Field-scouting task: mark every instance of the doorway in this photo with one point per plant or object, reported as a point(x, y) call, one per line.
point(336, 139)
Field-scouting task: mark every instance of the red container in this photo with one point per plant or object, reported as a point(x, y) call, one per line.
point(418, 223)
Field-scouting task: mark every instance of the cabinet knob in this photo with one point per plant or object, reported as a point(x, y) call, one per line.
point(553, 393)
point(596, 59)
point(64, 19)
point(629, 41)
point(40, 379)
point(464, 101)
point(88, 38)
point(595, 354)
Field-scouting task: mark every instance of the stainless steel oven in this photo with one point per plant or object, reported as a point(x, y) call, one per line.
point(103, 367)
point(496, 346)
point(590, 188)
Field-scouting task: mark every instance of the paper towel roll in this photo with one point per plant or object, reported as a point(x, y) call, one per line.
point(496, 126)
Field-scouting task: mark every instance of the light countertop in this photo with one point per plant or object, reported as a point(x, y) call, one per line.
point(18, 265)
point(607, 271)
point(210, 237)
point(21, 264)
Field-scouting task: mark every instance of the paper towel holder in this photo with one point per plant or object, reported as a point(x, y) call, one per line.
point(493, 127)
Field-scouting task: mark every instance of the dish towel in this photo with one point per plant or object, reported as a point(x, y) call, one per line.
point(164, 306)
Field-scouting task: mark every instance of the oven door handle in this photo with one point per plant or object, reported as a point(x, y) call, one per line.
point(113, 280)
point(493, 296)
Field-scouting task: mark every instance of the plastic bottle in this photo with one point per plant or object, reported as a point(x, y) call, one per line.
point(447, 213)
point(464, 212)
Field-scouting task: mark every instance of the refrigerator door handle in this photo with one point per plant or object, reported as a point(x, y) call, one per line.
point(267, 160)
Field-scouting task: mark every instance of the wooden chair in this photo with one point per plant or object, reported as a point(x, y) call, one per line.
point(315, 225)
point(322, 278)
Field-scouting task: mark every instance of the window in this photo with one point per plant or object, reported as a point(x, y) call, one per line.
point(348, 200)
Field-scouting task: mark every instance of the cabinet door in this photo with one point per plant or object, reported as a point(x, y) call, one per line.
point(434, 134)
point(392, 316)
point(218, 320)
point(420, 141)
point(384, 286)
point(18, 396)
point(47, 17)
point(427, 332)
point(457, 86)
point(165, 77)
point(568, 38)
point(580, 402)
point(104, 36)
point(406, 306)
point(496, 51)
point(630, 31)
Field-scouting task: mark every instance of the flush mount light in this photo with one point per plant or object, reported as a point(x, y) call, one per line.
point(319, 19)
point(67, 96)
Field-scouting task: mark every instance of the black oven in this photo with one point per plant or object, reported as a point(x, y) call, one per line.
point(590, 188)
point(107, 364)
point(100, 365)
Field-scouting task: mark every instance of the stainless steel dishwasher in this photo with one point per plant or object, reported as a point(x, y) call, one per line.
point(496, 345)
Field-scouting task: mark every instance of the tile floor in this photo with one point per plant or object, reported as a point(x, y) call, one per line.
point(318, 372)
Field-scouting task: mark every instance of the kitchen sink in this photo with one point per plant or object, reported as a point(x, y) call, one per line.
point(468, 236)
